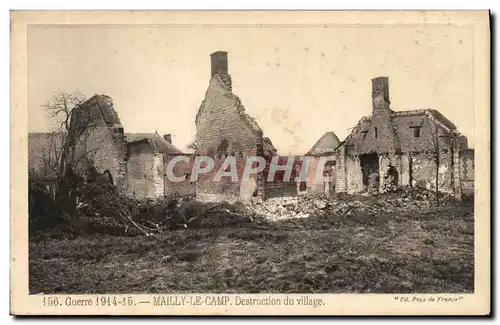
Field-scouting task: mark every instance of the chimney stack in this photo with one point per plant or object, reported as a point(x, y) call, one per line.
point(380, 94)
point(219, 63)
point(168, 138)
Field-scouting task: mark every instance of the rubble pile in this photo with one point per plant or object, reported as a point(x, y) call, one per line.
point(102, 210)
point(277, 209)
point(403, 198)
point(413, 198)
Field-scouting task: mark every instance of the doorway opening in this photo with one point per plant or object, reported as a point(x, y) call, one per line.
point(392, 176)
point(370, 169)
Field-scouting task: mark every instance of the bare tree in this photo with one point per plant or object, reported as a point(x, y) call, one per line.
point(65, 108)
point(434, 144)
point(67, 150)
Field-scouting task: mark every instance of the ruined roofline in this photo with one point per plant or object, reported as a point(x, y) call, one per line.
point(324, 153)
point(104, 104)
point(156, 149)
point(158, 142)
point(151, 143)
point(47, 133)
point(220, 74)
point(316, 148)
point(249, 120)
point(426, 112)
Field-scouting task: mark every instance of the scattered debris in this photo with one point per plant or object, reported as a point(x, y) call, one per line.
point(402, 198)
point(100, 209)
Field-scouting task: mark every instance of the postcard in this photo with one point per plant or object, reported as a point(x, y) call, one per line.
point(250, 163)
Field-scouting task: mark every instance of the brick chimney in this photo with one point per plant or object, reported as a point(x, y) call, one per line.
point(380, 94)
point(219, 68)
point(219, 63)
point(168, 138)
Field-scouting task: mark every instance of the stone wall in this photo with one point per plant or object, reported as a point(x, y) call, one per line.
point(467, 171)
point(105, 147)
point(424, 172)
point(224, 129)
point(405, 169)
point(414, 163)
point(423, 139)
point(144, 168)
point(386, 162)
point(340, 171)
point(158, 175)
point(181, 168)
point(354, 175)
point(415, 169)
point(280, 189)
point(317, 185)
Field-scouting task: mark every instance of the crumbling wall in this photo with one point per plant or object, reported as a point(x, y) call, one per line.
point(424, 172)
point(158, 175)
point(417, 133)
point(405, 169)
point(143, 173)
point(97, 136)
point(467, 171)
point(375, 134)
point(317, 184)
point(391, 171)
point(280, 189)
point(340, 170)
point(210, 189)
point(278, 185)
point(105, 148)
point(354, 175)
point(181, 168)
point(224, 129)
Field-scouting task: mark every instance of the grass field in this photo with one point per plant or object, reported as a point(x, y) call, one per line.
point(409, 251)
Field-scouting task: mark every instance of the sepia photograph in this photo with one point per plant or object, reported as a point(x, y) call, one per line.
point(243, 163)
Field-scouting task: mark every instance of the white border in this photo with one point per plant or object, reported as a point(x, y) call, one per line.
point(148, 4)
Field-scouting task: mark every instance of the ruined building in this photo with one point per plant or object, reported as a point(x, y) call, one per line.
point(323, 152)
point(388, 148)
point(223, 128)
point(397, 148)
point(147, 159)
point(135, 161)
point(95, 137)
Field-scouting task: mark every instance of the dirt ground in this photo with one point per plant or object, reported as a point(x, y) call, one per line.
point(421, 250)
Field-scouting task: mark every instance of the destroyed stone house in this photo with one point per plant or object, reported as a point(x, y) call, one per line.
point(223, 129)
point(387, 148)
point(135, 161)
point(398, 148)
point(95, 136)
point(148, 157)
point(323, 154)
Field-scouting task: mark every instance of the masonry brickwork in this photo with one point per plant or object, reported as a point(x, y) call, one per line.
point(415, 147)
point(145, 171)
point(102, 143)
point(386, 148)
point(223, 129)
point(135, 161)
point(180, 169)
point(466, 163)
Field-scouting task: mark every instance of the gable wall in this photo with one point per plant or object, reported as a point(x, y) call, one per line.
point(220, 121)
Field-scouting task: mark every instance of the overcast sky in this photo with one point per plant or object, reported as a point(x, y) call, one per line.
point(298, 82)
